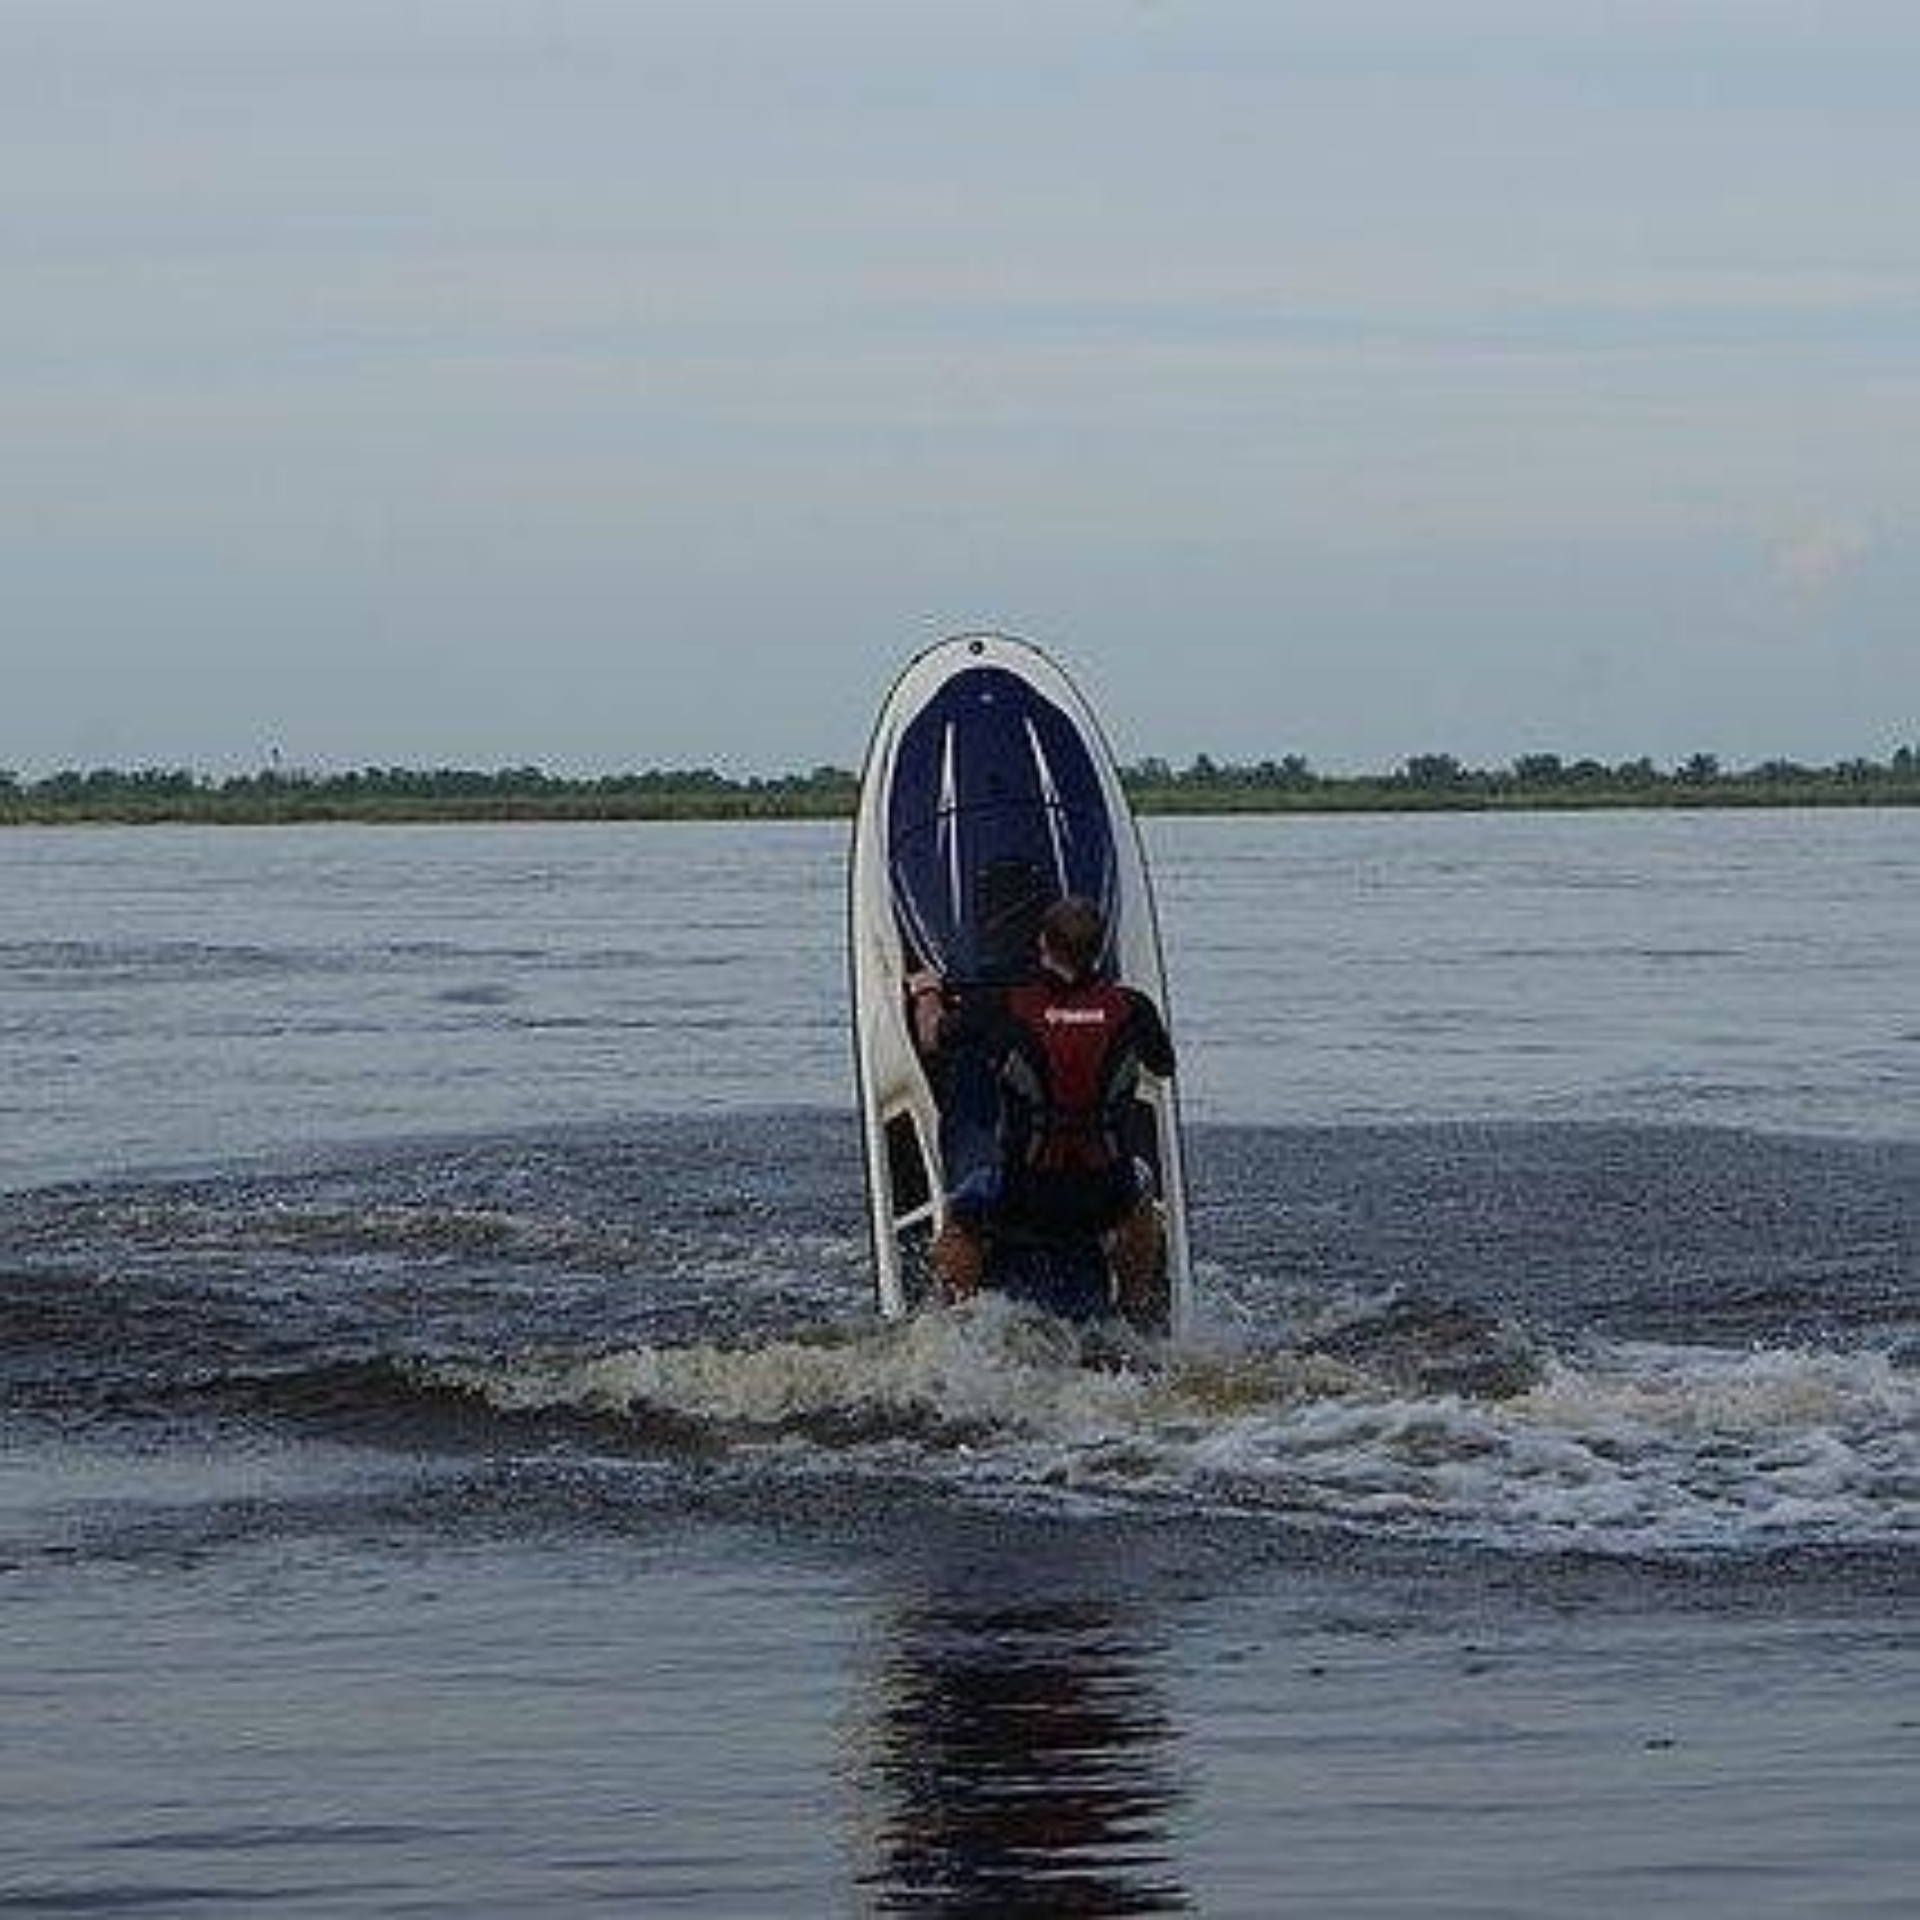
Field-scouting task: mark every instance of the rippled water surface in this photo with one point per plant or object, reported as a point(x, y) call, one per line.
point(450, 1465)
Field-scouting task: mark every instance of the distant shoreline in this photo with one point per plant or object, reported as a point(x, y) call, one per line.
point(1424, 783)
point(296, 809)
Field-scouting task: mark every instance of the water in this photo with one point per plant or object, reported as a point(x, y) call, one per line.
point(450, 1466)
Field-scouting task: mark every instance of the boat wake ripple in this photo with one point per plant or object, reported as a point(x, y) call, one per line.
point(1624, 1448)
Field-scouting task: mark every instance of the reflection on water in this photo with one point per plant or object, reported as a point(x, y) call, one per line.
point(1016, 1759)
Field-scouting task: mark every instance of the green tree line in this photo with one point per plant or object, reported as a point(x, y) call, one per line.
point(1287, 783)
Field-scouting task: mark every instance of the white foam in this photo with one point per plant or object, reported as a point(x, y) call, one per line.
point(1627, 1448)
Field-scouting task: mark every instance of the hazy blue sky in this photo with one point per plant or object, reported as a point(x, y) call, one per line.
point(597, 382)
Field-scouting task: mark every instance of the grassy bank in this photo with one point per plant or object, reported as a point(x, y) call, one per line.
point(217, 810)
point(283, 802)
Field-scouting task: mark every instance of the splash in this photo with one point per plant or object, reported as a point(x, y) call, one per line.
point(994, 1377)
point(1623, 1449)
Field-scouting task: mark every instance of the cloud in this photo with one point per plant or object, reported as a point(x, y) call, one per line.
point(1814, 556)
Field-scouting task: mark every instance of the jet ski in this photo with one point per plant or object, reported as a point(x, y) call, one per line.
point(989, 793)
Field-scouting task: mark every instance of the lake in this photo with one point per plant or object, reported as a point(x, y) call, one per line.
point(450, 1464)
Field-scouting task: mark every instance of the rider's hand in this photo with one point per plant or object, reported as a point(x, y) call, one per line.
point(926, 997)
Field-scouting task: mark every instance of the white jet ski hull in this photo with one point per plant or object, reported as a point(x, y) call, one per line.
point(985, 762)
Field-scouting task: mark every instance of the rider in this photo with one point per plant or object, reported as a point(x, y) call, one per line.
point(1066, 1049)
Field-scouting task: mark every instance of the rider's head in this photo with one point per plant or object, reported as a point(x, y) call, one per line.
point(1073, 934)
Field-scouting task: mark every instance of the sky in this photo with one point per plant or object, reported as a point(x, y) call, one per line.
point(597, 384)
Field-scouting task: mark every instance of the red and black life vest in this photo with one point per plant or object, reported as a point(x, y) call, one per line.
point(1071, 1072)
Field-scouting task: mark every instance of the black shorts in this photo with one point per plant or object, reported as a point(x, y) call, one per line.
point(1078, 1204)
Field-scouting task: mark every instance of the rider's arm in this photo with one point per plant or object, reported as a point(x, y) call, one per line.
point(945, 1017)
point(1150, 1036)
